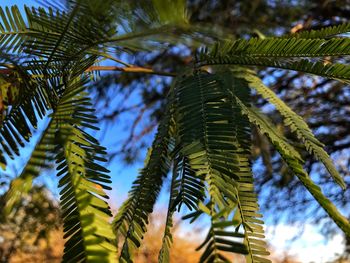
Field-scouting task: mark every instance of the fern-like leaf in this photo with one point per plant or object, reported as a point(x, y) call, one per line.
point(221, 238)
point(187, 188)
point(85, 212)
point(247, 205)
point(335, 71)
point(31, 101)
point(164, 253)
point(282, 47)
point(295, 162)
point(40, 159)
point(215, 138)
point(191, 186)
point(203, 155)
point(297, 125)
point(325, 32)
point(132, 218)
point(13, 30)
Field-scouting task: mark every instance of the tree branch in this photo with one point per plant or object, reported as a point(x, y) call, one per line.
point(131, 69)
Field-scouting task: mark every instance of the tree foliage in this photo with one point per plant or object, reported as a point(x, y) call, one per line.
point(204, 137)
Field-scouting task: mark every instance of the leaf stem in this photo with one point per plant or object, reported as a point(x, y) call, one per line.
point(131, 69)
point(128, 69)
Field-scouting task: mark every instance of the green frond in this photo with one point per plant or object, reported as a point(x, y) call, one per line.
point(88, 28)
point(250, 218)
point(13, 30)
point(146, 25)
point(295, 163)
point(190, 186)
point(164, 253)
point(31, 98)
point(85, 211)
point(203, 113)
point(29, 102)
point(170, 11)
point(266, 127)
point(215, 137)
point(66, 36)
point(151, 14)
point(186, 188)
point(40, 159)
point(223, 236)
point(86, 214)
point(333, 71)
point(55, 39)
point(132, 218)
point(297, 125)
point(325, 32)
point(68, 23)
point(281, 48)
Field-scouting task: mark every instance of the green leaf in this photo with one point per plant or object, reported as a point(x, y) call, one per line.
point(171, 11)
point(328, 70)
point(215, 137)
point(28, 100)
point(86, 214)
point(297, 125)
point(325, 32)
point(294, 161)
point(132, 218)
point(281, 48)
point(39, 160)
point(13, 30)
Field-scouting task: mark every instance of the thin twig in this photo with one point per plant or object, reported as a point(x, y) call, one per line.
point(130, 69)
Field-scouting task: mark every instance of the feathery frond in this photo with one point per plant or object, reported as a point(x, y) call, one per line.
point(282, 47)
point(164, 253)
point(132, 218)
point(215, 137)
point(325, 32)
point(186, 188)
point(40, 159)
point(13, 30)
point(335, 71)
point(85, 212)
point(190, 184)
point(295, 162)
point(30, 101)
point(248, 207)
point(297, 125)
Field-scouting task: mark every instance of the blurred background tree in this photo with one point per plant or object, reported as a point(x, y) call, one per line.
point(28, 229)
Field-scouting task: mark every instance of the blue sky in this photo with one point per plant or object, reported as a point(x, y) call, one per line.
point(19, 3)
